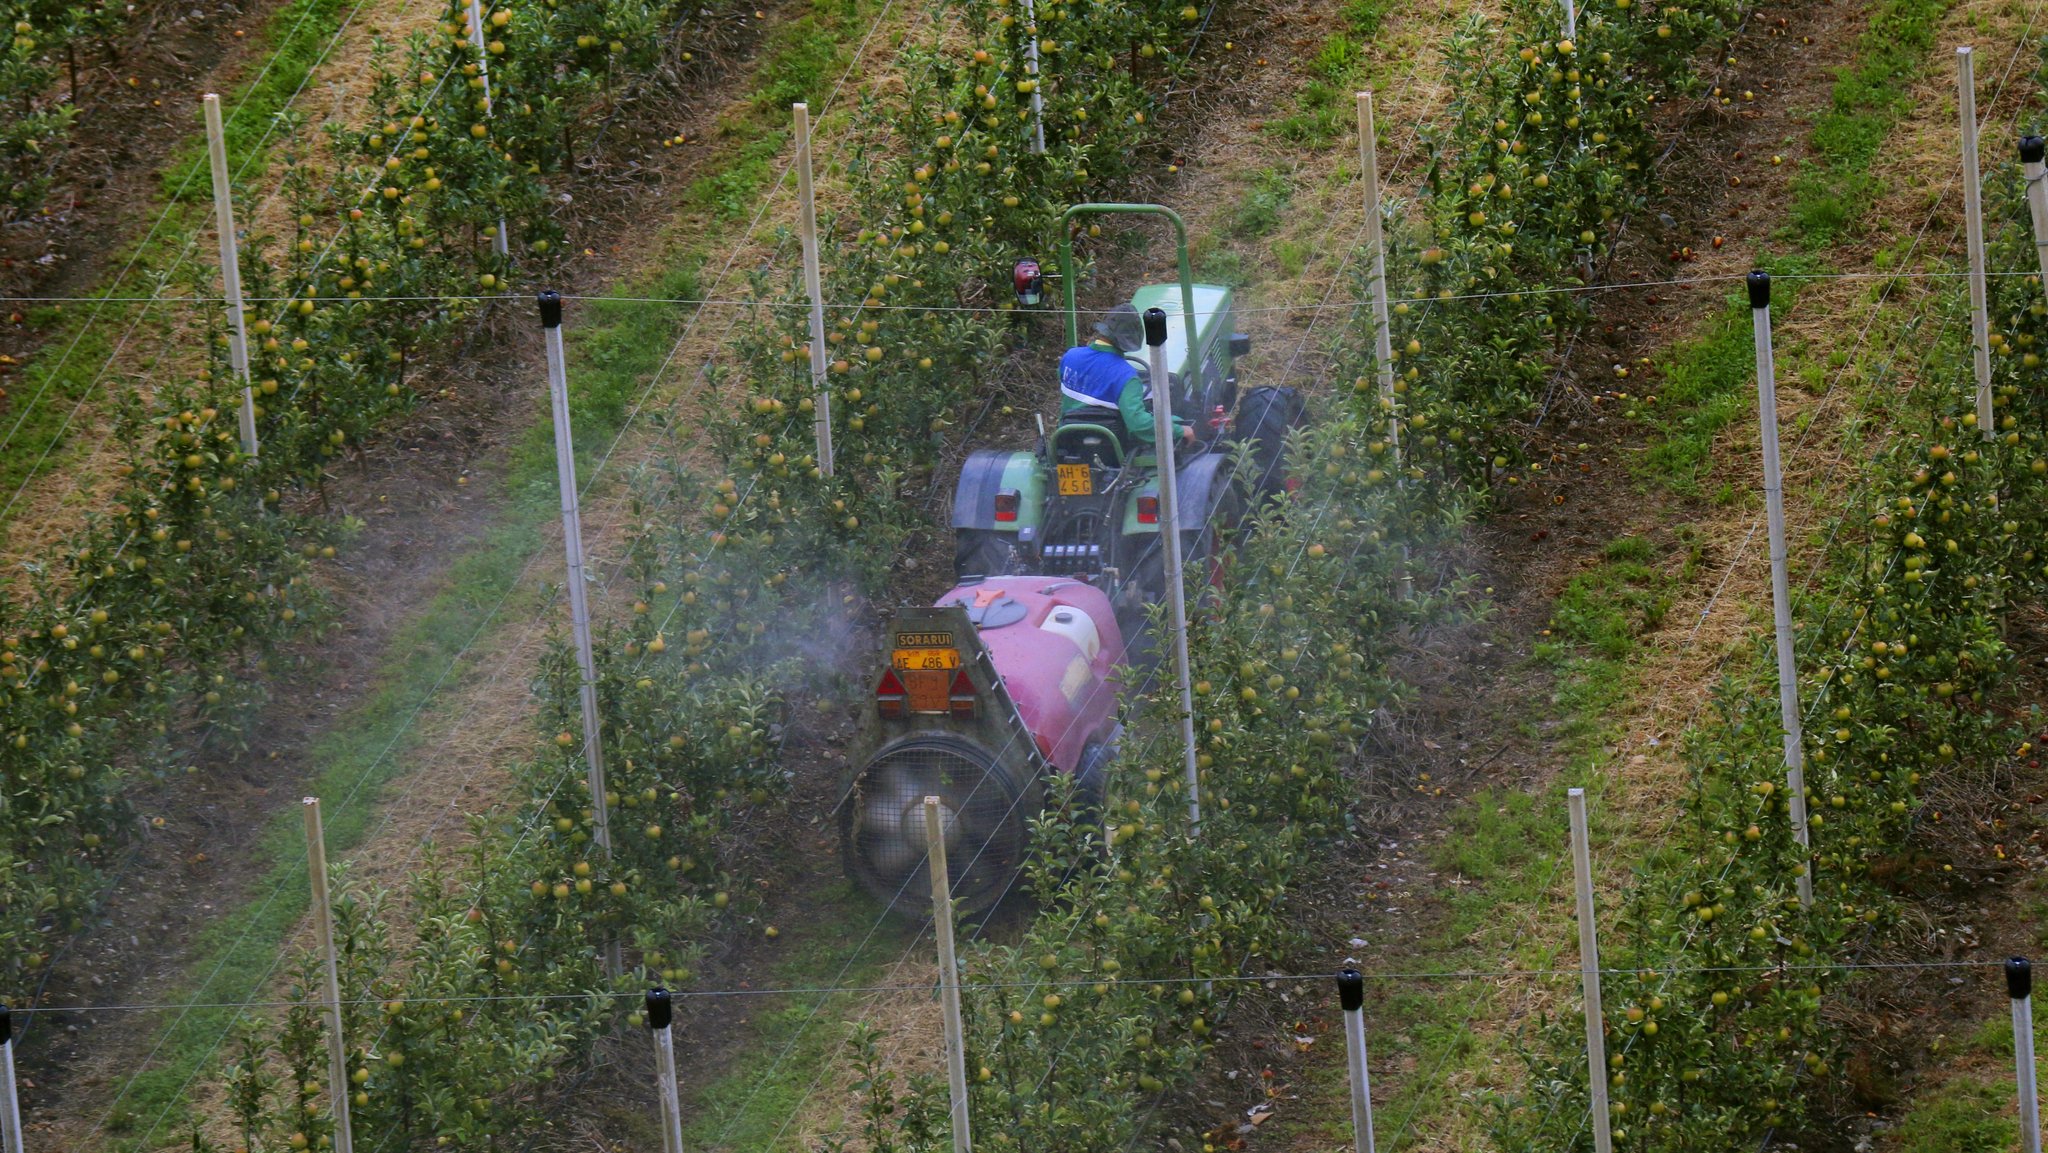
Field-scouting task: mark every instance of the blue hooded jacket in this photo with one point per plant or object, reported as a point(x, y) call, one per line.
point(1095, 375)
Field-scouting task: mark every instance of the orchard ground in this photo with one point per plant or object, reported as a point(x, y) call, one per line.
point(1542, 544)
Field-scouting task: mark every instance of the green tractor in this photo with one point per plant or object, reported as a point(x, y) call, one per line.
point(1085, 502)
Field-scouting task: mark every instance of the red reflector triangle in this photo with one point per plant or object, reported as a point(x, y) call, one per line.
point(889, 686)
point(962, 686)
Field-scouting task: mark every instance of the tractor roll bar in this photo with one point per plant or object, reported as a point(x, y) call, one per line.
point(1068, 275)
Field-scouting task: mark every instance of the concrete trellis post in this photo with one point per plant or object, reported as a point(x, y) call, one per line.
point(949, 971)
point(323, 924)
point(1589, 975)
point(1169, 537)
point(10, 1105)
point(1973, 222)
point(2033, 150)
point(1351, 997)
point(1781, 587)
point(1031, 73)
point(807, 231)
point(2019, 985)
point(473, 15)
point(572, 542)
point(660, 1009)
point(1376, 279)
point(230, 267)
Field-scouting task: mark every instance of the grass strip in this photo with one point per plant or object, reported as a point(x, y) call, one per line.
point(616, 350)
point(78, 342)
point(1833, 193)
point(613, 354)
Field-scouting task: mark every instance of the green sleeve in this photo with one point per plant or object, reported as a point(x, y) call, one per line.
point(1136, 410)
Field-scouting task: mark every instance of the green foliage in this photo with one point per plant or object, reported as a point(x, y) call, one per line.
point(158, 613)
point(1502, 836)
point(1264, 204)
point(43, 39)
point(1965, 1115)
point(1606, 608)
point(797, 63)
point(1322, 113)
point(1545, 151)
point(1904, 673)
point(1831, 193)
point(1709, 382)
point(730, 193)
point(300, 34)
point(743, 577)
point(1091, 1016)
point(944, 192)
point(1364, 16)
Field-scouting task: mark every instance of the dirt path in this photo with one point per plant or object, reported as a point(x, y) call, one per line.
point(426, 497)
point(1397, 899)
point(791, 1046)
point(1387, 895)
point(132, 112)
point(418, 517)
point(130, 346)
point(1391, 898)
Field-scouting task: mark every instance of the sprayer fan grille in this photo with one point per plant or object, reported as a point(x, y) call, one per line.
point(982, 815)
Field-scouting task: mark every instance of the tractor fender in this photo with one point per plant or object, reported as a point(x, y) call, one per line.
point(988, 472)
point(1203, 483)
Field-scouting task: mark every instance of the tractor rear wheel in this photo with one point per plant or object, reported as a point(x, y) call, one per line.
point(1204, 556)
point(1264, 417)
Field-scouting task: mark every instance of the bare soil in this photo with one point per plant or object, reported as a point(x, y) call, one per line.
point(425, 494)
point(1378, 900)
point(1278, 1079)
point(132, 111)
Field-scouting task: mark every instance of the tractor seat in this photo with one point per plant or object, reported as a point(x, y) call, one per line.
point(1084, 437)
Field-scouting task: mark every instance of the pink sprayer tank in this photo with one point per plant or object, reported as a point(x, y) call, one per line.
point(1055, 644)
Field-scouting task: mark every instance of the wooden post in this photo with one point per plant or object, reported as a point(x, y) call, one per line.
point(949, 971)
point(807, 231)
point(1973, 222)
point(1376, 278)
point(10, 1104)
point(1169, 537)
point(230, 266)
point(2033, 150)
point(660, 1011)
point(1351, 995)
point(323, 924)
point(572, 542)
point(2019, 985)
point(473, 14)
point(1781, 585)
point(1589, 975)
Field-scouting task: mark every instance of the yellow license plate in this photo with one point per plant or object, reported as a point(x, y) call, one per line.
point(1076, 480)
point(921, 660)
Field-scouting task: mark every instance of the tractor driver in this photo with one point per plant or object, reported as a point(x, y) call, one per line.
point(1096, 379)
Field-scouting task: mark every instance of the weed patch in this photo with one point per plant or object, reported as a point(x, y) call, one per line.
point(1831, 193)
point(1708, 384)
